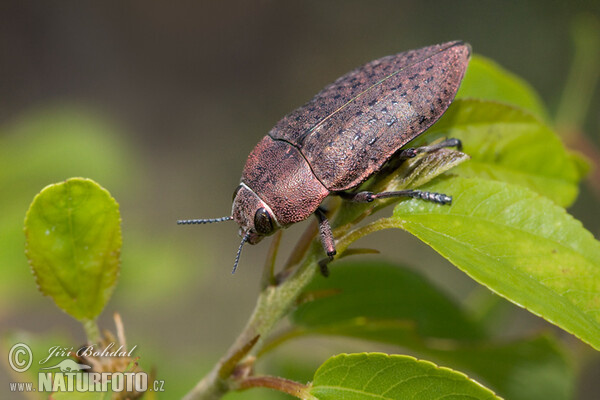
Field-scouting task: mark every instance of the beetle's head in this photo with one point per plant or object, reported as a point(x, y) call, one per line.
point(253, 215)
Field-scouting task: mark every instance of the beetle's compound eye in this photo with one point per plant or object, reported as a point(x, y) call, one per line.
point(237, 189)
point(263, 222)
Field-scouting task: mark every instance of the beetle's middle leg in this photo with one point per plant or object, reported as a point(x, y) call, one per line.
point(413, 151)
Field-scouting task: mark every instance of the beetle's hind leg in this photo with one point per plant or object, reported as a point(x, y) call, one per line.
point(367, 197)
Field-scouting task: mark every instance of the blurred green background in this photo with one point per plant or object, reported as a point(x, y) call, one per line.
point(161, 102)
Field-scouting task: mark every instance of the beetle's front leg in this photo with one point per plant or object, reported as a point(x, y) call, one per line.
point(326, 234)
point(326, 239)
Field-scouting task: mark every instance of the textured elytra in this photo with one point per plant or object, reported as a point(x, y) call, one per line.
point(354, 125)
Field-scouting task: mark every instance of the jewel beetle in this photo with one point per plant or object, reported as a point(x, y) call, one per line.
point(341, 137)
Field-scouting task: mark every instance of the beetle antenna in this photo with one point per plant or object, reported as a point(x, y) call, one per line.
point(239, 252)
point(202, 221)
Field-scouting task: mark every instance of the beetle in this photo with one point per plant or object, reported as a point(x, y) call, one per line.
point(341, 137)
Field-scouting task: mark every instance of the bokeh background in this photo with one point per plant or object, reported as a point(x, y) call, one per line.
point(160, 102)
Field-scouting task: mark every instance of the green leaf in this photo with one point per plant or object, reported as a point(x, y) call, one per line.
point(508, 144)
point(382, 302)
point(382, 376)
point(73, 245)
point(399, 307)
point(487, 80)
point(526, 369)
point(50, 144)
point(517, 243)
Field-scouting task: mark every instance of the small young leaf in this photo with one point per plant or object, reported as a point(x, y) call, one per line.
point(508, 144)
point(73, 245)
point(48, 144)
point(382, 376)
point(517, 243)
point(487, 80)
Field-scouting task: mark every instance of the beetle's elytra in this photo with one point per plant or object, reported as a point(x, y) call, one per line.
point(341, 137)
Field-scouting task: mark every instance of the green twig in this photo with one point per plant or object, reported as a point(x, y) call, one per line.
point(279, 339)
point(273, 304)
point(580, 86)
point(268, 277)
point(283, 385)
point(302, 246)
point(583, 76)
point(92, 332)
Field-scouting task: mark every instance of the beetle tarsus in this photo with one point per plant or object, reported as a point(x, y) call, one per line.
point(323, 267)
point(434, 197)
point(439, 198)
point(454, 142)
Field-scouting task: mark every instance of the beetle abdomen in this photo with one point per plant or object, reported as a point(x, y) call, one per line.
point(353, 126)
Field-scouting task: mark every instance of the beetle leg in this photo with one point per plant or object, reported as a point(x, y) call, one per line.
point(326, 234)
point(413, 151)
point(452, 142)
point(326, 239)
point(323, 266)
point(367, 197)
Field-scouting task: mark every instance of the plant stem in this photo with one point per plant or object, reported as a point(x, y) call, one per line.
point(583, 76)
point(92, 332)
point(302, 246)
point(268, 277)
point(274, 302)
point(283, 385)
point(357, 233)
point(279, 339)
